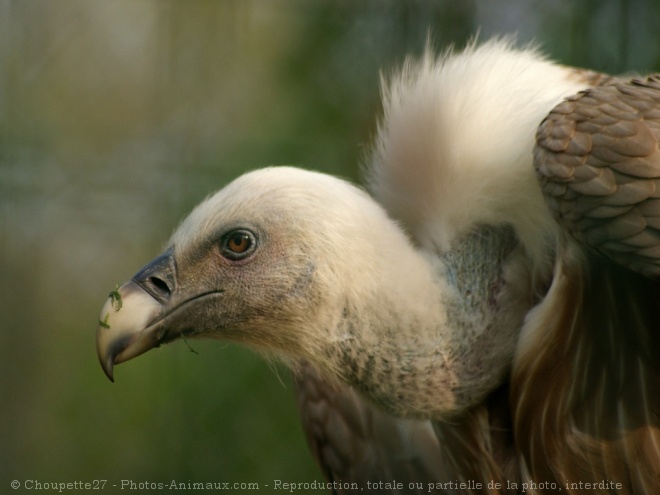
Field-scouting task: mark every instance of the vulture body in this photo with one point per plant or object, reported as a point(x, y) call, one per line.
point(485, 322)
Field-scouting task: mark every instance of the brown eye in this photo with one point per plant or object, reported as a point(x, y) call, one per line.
point(238, 244)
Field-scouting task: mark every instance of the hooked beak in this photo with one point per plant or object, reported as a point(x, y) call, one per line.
point(129, 320)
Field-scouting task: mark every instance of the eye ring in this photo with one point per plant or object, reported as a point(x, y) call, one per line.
point(238, 244)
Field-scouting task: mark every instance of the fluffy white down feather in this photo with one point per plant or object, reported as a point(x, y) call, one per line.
point(454, 146)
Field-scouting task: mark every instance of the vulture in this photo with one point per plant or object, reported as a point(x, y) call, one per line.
point(484, 320)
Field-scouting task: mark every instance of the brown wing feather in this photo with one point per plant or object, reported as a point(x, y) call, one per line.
point(586, 383)
point(354, 442)
point(598, 162)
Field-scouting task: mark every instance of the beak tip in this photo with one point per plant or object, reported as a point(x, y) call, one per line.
point(126, 331)
point(108, 367)
point(108, 373)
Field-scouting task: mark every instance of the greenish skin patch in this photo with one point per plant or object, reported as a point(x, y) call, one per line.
point(115, 296)
point(104, 322)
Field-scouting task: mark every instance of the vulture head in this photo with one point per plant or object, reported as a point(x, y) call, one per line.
point(488, 312)
point(303, 266)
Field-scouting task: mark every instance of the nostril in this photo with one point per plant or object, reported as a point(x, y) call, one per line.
point(158, 278)
point(160, 285)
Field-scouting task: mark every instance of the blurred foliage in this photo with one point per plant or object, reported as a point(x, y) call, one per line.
point(116, 118)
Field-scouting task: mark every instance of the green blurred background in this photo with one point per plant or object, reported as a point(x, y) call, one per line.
point(116, 117)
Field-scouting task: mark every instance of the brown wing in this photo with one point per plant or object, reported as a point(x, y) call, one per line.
point(586, 382)
point(354, 442)
point(598, 163)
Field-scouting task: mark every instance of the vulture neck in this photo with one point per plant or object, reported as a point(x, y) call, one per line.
point(435, 332)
